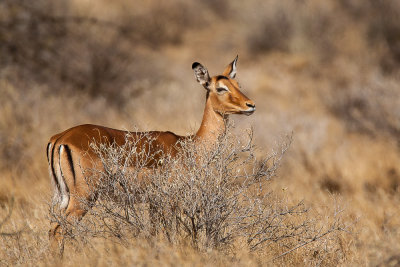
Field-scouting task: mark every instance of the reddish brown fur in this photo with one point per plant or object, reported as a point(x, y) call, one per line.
point(78, 139)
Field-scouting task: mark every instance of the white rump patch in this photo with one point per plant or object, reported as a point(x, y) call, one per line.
point(56, 194)
point(61, 181)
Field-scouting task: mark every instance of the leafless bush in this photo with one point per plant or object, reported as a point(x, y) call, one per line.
point(49, 45)
point(48, 42)
point(370, 107)
point(211, 196)
point(384, 32)
point(274, 34)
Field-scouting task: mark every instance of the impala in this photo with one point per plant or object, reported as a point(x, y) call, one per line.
point(69, 153)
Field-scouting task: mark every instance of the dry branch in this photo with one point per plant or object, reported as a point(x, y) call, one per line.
point(208, 196)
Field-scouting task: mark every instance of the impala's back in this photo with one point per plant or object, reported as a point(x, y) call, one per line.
point(69, 154)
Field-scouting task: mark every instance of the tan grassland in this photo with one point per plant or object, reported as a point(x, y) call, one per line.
point(325, 72)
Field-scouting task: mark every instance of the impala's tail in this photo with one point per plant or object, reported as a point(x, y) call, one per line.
point(56, 155)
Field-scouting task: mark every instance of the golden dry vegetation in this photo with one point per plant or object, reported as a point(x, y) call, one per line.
point(325, 72)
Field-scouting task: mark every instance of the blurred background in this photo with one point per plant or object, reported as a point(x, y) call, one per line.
point(326, 72)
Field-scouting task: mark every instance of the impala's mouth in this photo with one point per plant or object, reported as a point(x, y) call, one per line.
point(248, 112)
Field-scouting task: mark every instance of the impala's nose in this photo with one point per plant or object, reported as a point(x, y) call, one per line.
point(251, 109)
point(251, 105)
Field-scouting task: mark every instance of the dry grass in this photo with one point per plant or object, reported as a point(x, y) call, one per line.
point(325, 70)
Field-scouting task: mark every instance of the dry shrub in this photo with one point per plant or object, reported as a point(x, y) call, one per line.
point(48, 42)
point(274, 33)
point(310, 28)
point(14, 123)
point(384, 32)
point(51, 46)
point(368, 104)
point(51, 51)
point(210, 196)
point(325, 30)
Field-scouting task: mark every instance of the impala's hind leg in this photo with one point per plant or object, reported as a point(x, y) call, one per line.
point(76, 209)
point(73, 213)
point(60, 198)
point(56, 239)
point(73, 197)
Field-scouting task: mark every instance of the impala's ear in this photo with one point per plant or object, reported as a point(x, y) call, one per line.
point(201, 74)
point(230, 70)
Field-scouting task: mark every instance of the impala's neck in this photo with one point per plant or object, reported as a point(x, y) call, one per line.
point(213, 124)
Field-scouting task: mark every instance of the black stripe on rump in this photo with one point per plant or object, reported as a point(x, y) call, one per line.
point(52, 167)
point(47, 151)
point(71, 163)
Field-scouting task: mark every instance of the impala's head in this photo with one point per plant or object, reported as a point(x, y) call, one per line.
point(223, 90)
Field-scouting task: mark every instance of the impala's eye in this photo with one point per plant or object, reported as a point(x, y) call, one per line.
point(221, 89)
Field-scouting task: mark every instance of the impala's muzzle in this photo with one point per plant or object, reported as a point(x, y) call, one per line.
point(251, 108)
